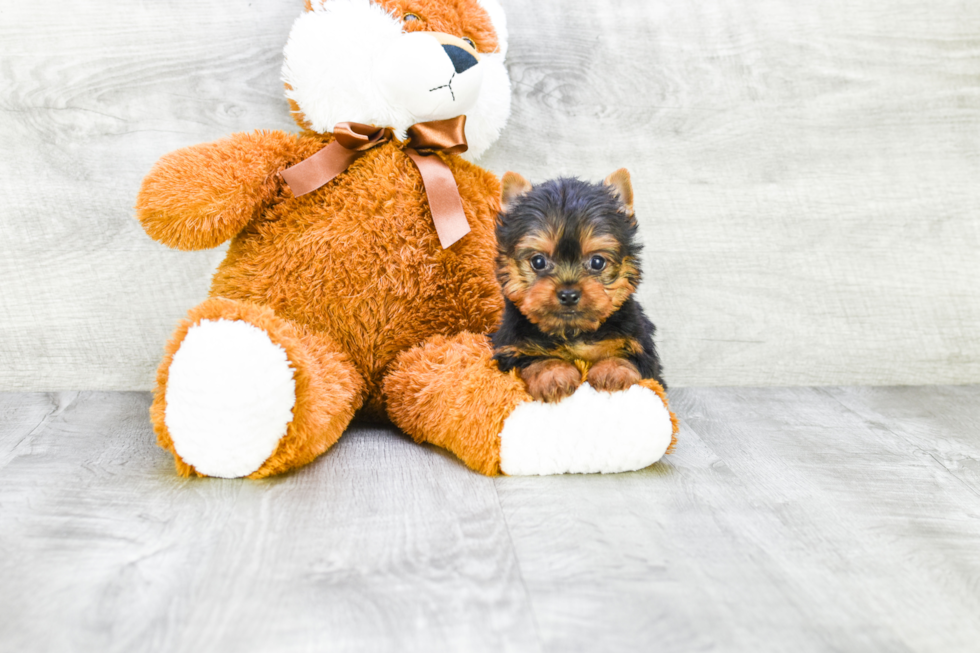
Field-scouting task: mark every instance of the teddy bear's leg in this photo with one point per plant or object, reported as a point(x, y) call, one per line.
point(449, 392)
point(244, 392)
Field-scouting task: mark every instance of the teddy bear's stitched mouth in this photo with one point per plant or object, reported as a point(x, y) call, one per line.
point(448, 85)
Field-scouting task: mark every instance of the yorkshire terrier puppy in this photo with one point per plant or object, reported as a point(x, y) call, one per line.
point(568, 264)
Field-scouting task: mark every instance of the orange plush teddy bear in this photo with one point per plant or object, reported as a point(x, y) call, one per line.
point(360, 275)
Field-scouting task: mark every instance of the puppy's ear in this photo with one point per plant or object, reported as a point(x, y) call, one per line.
point(622, 188)
point(512, 186)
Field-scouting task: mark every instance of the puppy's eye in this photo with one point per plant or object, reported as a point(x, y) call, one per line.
point(597, 263)
point(539, 262)
point(409, 18)
point(470, 42)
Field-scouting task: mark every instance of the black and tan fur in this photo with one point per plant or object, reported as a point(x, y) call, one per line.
point(568, 264)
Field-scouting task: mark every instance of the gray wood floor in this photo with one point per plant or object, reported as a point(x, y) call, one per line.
point(802, 519)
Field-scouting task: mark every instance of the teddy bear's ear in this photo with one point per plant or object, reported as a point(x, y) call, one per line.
point(512, 186)
point(622, 188)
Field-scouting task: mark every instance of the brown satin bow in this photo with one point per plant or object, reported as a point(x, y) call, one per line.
point(352, 139)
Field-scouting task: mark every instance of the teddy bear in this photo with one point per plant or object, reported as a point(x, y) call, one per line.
point(359, 279)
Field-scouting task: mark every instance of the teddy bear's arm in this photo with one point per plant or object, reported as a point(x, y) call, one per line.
point(200, 196)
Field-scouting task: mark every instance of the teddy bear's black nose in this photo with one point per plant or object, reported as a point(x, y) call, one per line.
point(462, 60)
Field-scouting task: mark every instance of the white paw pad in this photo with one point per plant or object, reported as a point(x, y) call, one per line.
point(230, 397)
point(587, 433)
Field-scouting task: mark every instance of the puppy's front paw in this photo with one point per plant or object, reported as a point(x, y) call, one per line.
point(613, 375)
point(551, 380)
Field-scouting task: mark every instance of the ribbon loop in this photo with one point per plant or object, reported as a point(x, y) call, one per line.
point(447, 136)
point(359, 137)
point(425, 140)
point(351, 139)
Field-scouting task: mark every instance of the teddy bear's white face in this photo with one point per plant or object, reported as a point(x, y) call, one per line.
point(360, 61)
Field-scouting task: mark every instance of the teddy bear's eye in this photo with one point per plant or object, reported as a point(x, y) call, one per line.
point(470, 42)
point(410, 18)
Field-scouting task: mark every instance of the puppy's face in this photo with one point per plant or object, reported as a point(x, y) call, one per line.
point(567, 256)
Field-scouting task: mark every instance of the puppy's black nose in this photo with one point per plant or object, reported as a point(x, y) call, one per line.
point(462, 60)
point(569, 297)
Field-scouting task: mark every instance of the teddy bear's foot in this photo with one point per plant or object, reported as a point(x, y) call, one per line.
point(449, 392)
point(243, 392)
point(230, 397)
point(588, 432)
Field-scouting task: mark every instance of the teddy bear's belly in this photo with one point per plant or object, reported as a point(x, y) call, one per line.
point(376, 284)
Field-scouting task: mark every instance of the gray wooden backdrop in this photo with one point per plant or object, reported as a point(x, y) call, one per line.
point(808, 174)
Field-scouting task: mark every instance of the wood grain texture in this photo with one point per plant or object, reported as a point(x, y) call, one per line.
point(789, 519)
point(381, 545)
point(942, 424)
point(783, 522)
point(806, 174)
point(93, 96)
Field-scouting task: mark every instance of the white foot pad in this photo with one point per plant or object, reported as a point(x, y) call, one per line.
point(230, 397)
point(586, 433)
